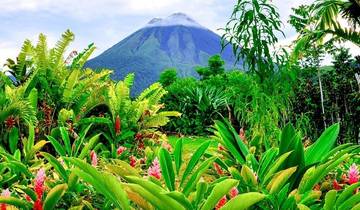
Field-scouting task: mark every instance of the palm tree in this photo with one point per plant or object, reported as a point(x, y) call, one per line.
point(329, 12)
point(350, 10)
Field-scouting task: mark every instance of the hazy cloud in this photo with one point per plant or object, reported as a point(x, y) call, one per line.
point(106, 22)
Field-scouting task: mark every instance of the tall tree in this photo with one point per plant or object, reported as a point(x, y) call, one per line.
point(252, 31)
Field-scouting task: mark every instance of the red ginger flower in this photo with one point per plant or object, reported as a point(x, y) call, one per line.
point(132, 161)
point(336, 185)
point(120, 150)
point(234, 192)
point(221, 203)
point(154, 170)
point(93, 158)
point(39, 188)
point(27, 197)
point(38, 205)
point(221, 147)
point(117, 125)
point(218, 169)
point(353, 174)
point(5, 193)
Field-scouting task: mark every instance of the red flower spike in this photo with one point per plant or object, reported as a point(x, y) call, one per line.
point(117, 125)
point(221, 203)
point(336, 185)
point(218, 169)
point(132, 161)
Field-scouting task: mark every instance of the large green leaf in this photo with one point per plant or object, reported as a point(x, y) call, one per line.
point(89, 145)
point(13, 139)
point(58, 147)
point(195, 177)
point(243, 201)
point(218, 192)
point(167, 169)
point(16, 202)
point(287, 135)
point(105, 183)
point(54, 196)
point(194, 160)
point(322, 146)
point(330, 199)
point(178, 155)
point(56, 164)
point(66, 139)
point(156, 190)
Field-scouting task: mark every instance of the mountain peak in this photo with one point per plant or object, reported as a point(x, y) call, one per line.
point(175, 19)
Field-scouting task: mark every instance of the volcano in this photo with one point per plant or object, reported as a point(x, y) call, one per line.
point(176, 41)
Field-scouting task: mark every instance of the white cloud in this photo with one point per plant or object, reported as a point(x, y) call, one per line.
point(106, 22)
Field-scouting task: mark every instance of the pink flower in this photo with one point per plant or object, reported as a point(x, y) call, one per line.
point(154, 170)
point(221, 203)
point(218, 169)
point(39, 182)
point(93, 158)
point(353, 174)
point(132, 161)
point(234, 192)
point(120, 150)
point(5, 193)
point(39, 188)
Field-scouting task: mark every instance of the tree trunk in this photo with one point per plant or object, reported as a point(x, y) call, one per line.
point(322, 98)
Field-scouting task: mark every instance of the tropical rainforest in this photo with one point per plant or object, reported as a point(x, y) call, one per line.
point(282, 132)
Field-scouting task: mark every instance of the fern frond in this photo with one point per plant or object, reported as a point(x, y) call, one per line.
point(71, 81)
point(82, 57)
point(129, 80)
point(153, 94)
point(159, 119)
point(58, 52)
point(21, 109)
point(20, 70)
point(41, 53)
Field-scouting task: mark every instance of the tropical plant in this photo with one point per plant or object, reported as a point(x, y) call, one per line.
point(251, 31)
point(215, 67)
point(168, 77)
point(287, 174)
point(151, 193)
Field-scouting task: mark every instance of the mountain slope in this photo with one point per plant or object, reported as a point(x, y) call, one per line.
point(176, 41)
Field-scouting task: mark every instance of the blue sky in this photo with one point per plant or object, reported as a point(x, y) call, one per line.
point(106, 22)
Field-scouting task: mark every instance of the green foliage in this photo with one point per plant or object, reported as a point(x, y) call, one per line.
point(286, 175)
point(86, 116)
point(251, 31)
point(168, 77)
point(215, 67)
